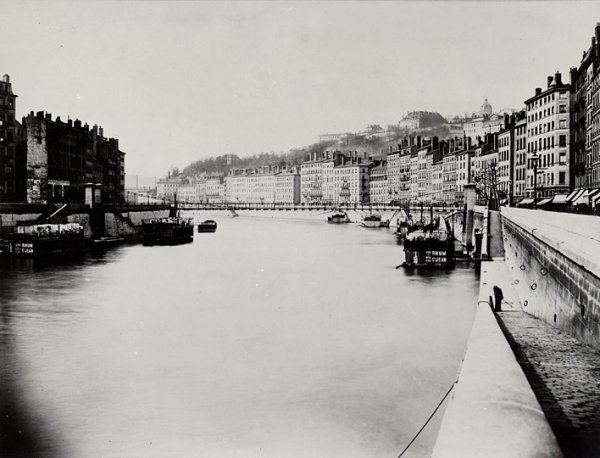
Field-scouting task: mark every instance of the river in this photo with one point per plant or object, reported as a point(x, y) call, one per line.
point(270, 338)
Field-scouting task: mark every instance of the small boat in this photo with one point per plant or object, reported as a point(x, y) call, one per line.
point(167, 231)
point(338, 218)
point(207, 226)
point(374, 220)
point(36, 240)
point(109, 240)
point(429, 246)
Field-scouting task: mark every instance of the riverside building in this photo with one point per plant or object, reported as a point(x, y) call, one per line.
point(519, 174)
point(12, 154)
point(548, 140)
point(168, 188)
point(378, 183)
point(311, 177)
point(63, 158)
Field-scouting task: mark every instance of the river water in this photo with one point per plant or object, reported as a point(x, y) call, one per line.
point(270, 338)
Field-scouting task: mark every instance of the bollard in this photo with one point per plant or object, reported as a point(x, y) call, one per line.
point(498, 296)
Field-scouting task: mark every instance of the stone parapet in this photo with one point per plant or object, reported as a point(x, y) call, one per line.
point(493, 411)
point(554, 261)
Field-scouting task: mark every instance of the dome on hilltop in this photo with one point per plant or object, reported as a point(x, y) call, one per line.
point(486, 108)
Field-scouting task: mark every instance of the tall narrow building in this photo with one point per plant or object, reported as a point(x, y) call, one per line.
point(549, 157)
point(12, 162)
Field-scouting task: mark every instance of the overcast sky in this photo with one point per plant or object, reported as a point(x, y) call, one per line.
point(180, 81)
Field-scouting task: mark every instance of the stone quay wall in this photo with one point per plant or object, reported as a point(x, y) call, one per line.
point(493, 411)
point(554, 262)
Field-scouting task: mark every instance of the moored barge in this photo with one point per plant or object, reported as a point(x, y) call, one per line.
point(167, 231)
point(207, 226)
point(37, 240)
point(374, 221)
point(338, 218)
point(430, 246)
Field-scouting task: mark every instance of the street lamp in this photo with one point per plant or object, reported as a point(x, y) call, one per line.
point(535, 163)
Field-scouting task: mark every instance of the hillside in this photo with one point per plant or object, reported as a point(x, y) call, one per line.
point(376, 146)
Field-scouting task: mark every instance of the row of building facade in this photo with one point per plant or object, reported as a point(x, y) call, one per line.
point(548, 149)
point(45, 160)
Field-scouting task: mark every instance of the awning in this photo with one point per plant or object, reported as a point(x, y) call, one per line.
point(575, 195)
point(582, 199)
point(525, 202)
point(543, 202)
point(560, 199)
point(572, 195)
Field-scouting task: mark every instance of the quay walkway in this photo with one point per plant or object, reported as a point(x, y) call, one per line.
point(564, 375)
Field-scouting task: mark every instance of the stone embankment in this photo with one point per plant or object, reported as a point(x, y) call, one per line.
point(493, 412)
point(554, 259)
point(530, 382)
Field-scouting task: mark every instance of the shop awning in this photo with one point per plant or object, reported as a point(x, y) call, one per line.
point(525, 202)
point(575, 195)
point(560, 199)
point(582, 199)
point(572, 195)
point(594, 193)
point(543, 202)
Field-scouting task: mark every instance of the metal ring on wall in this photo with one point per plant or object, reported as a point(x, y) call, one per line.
point(516, 282)
point(525, 303)
point(544, 271)
point(534, 286)
point(522, 267)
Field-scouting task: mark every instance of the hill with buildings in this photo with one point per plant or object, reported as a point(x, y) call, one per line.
point(374, 140)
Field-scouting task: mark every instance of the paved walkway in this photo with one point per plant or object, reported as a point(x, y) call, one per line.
point(565, 376)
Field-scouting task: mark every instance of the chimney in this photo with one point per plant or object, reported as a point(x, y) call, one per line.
point(597, 39)
point(557, 79)
point(538, 90)
point(469, 143)
point(549, 81)
point(435, 143)
point(6, 78)
point(506, 120)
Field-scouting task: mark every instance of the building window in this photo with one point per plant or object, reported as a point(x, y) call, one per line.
point(562, 158)
point(561, 177)
point(562, 124)
point(562, 140)
point(562, 109)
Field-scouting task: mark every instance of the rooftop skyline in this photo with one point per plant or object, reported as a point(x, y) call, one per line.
point(182, 81)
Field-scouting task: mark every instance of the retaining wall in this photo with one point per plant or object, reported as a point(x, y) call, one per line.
point(493, 411)
point(554, 261)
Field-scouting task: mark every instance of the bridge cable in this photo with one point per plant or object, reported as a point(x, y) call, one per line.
point(428, 420)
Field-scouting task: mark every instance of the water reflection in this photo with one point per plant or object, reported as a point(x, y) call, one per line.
point(267, 338)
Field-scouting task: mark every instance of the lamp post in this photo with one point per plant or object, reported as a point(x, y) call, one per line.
point(535, 158)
